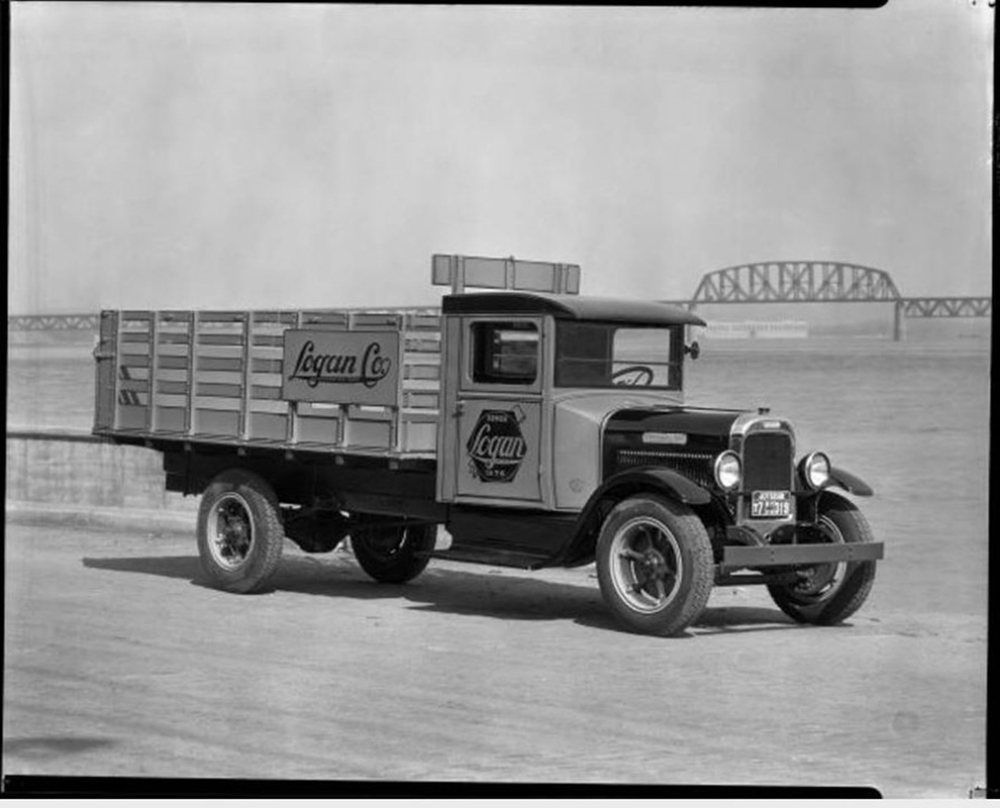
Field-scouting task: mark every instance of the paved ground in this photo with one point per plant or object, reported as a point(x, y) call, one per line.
point(120, 661)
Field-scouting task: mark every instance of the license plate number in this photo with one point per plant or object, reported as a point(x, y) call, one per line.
point(771, 504)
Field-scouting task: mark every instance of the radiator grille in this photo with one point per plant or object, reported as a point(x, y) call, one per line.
point(696, 466)
point(767, 462)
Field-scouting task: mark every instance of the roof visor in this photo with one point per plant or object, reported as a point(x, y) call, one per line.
point(569, 307)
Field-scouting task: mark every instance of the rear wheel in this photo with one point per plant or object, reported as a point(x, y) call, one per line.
point(393, 555)
point(830, 593)
point(240, 536)
point(654, 565)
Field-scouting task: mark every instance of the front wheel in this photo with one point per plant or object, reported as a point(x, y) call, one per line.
point(654, 565)
point(826, 594)
point(393, 555)
point(240, 536)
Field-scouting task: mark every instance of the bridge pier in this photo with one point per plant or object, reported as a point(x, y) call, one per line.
point(899, 322)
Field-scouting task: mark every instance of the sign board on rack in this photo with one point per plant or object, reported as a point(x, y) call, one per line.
point(341, 367)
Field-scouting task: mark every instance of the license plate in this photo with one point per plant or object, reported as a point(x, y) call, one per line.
point(771, 504)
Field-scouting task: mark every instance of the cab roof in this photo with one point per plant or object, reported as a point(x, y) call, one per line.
point(570, 307)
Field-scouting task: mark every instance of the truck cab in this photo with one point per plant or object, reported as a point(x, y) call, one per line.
point(530, 380)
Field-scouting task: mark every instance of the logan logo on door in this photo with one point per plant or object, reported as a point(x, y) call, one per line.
point(496, 446)
point(341, 367)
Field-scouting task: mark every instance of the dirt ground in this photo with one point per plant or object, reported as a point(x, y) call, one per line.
point(121, 661)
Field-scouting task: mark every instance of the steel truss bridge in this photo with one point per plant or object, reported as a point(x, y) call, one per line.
point(52, 322)
point(827, 282)
point(765, 282)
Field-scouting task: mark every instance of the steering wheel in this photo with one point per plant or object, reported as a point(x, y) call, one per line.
point(633, 376)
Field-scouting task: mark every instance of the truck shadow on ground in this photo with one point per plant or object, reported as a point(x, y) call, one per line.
point(481, 593)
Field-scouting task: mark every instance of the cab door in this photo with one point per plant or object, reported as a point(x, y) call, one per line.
point(498, 412)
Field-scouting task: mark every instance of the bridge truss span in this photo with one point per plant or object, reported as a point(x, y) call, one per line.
point(947, 306)
point(52, 322)
point(796, 282)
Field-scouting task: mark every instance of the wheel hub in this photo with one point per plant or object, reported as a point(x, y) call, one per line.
point(648, 570)
point(233, 534)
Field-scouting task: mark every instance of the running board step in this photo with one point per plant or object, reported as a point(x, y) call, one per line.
point(492, 555)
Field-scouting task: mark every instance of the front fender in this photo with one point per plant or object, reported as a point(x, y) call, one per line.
point(839, 479)
point(850, 483)
point(667, 482)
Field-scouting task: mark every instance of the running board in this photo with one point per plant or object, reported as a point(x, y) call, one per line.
point(493, 556)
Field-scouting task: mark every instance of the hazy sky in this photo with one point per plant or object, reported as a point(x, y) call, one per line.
point(197, 155)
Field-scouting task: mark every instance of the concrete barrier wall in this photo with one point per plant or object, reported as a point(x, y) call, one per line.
point(66, 472)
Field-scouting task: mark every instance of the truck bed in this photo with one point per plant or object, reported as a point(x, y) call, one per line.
point(215, 377)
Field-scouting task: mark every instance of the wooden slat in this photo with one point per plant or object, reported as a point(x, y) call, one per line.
point(269, 340)
point(167, 400)
point(224, 403)
point(422, 346)
point(219, 363)
point(219, 390)
point(277, 317)
point(421, 400)
point(338, 318)
point(265, 392)
point(266, 365)
point(262, 405)
point(419, 416)
point(432, 372)
point(221, 317)
point(134, 385)
point(176, 316)
point(171, 388)
point(220, 339)
point(430, 322)
point(363, 321)
point(359, 412)
point(173, 362)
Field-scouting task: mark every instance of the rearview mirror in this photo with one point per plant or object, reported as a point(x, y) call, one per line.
point(694, 349)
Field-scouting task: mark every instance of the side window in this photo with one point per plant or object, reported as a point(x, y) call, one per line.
point(504, 353)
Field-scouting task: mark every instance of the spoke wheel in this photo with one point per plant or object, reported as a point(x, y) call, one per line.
point(240, 536)
point(654, 564)
point(393, 555)
point(825, 594)
point(647, 567)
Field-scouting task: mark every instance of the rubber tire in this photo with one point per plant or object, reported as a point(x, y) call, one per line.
point(697, 573)
point(393, 562)
point(268, 535)
point(858, 578)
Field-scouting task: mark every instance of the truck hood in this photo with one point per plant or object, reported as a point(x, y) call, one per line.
point(691, 421)
point(640, 412)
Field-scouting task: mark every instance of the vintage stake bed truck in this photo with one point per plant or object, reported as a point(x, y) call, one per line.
point(536, 426)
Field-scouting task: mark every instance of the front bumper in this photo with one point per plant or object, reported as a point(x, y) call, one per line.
point(792, 555)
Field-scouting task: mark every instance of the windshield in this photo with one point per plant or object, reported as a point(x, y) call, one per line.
point(609, 355)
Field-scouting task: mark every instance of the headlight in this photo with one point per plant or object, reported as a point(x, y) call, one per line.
point(727, 470)
point(815, 470)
